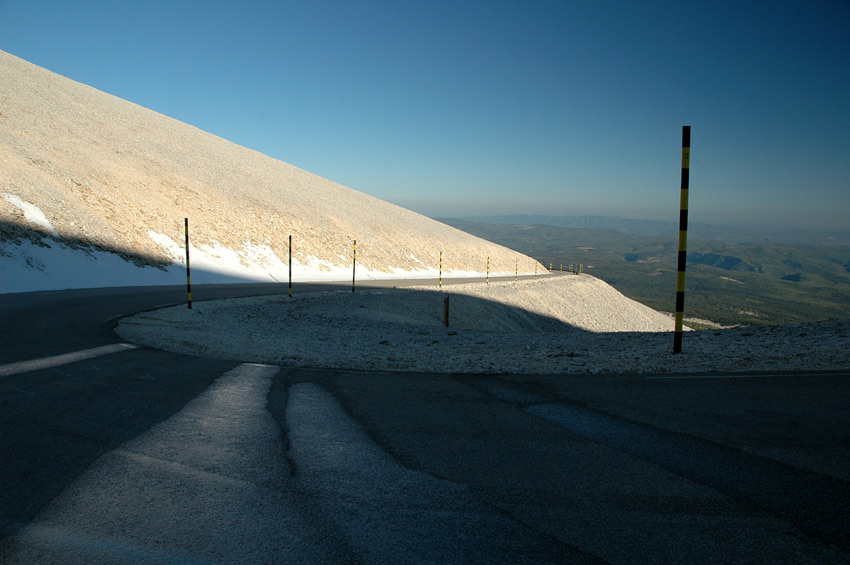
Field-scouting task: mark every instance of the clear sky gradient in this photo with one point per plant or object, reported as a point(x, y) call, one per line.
point(471, 108)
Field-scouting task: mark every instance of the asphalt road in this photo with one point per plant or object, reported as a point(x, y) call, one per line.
point(140, 455)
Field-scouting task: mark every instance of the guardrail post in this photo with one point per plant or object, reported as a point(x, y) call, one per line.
point(683, 239)
point(188, 268)
point(290, 266)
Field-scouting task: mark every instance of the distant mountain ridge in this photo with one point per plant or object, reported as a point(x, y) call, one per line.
point(711, 232)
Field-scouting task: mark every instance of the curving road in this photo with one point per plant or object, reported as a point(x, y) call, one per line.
point(113, 453)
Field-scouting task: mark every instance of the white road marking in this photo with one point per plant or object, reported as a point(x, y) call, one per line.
point(205, 486)
point(59, 360)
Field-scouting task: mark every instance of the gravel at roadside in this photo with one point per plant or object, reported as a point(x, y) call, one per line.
point(570, 325)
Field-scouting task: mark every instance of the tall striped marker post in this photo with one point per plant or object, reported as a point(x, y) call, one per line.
point(683, 239)
point(354, 266)
point(488, 270)
point(188, 269)
point(290, 266)
point(441, 271)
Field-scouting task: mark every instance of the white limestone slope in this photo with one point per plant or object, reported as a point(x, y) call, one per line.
point(84, 173)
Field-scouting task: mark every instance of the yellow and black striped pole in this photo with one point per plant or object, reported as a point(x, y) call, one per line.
point(516, 271)
point(488, 270)
point(354, 266)
point(441, 270)
point(683, 239)
point(290, 266)
point(188, 270)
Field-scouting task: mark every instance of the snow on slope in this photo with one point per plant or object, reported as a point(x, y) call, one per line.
point(89, 180)
point(49, 263)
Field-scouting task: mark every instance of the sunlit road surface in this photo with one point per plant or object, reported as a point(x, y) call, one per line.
point(136, 455)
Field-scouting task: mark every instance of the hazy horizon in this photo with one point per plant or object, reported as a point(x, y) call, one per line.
point(557, 108)
point(763, 228)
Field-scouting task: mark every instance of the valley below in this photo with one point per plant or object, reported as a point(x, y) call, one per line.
point(739, 280)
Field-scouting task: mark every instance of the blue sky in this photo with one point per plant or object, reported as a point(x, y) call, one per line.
point(455, 108)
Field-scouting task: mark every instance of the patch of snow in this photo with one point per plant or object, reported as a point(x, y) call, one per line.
point(32, 213)
point(54, 266)
point(260, 263)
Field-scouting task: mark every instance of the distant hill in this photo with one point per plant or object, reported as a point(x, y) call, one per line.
point(727, 282)
point(85, 173)
point(712, 232)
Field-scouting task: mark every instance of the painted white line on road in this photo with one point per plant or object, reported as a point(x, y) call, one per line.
point(208, 485)
point(58, 360)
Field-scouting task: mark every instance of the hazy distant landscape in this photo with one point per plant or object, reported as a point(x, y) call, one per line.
point(734, 276)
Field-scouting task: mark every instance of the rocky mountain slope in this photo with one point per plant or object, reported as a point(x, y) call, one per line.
point(83, 170)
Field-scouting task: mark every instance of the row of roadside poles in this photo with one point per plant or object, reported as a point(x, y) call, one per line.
point(681, 256)
point(353, 267)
